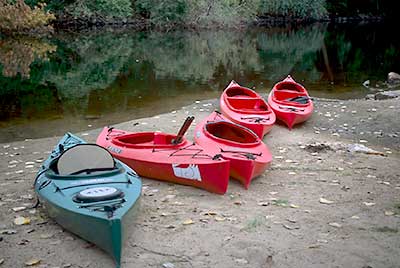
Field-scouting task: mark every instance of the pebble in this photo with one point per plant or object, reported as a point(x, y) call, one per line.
point(168, 265)
point(325, 201)
point(241, 261)
point(335, 224)
point(16, 209)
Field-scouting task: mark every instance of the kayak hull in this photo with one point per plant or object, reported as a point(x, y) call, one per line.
point(249, 157)
point(56, 193)
point(282, 100)
point(247, 108)
point(153, 155)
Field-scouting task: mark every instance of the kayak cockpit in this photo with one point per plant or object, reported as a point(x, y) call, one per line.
point(290, 94)
point(146, 140)
point(230, 133)
point(244, 100)
point(239, 92)
point(253, 105)
point(290, 86)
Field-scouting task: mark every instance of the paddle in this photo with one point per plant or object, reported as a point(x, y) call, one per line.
point(183, 129)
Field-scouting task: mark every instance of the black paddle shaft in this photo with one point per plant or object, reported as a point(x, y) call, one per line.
point(183, 129)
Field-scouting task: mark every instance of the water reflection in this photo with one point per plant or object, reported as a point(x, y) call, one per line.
point(17, 55)
point(284, 52)
point(71, 81)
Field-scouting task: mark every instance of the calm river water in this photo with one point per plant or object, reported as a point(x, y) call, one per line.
point(73, 82)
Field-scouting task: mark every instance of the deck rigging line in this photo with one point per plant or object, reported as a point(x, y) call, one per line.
point(112, 133)
point(248, 155)
point(176, 152)
point(291, 108)
point(257, 119)
point(109, 206)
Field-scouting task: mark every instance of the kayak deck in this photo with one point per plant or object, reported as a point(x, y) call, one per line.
point(249, 157)
point(155, 155)
point(247, 108)
point(290, 102)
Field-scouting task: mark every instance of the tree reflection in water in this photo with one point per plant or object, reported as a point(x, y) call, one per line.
point(123, 75)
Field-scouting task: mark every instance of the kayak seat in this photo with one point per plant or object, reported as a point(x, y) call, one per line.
point(146, 138)
point(84, 159)
point(288, 95)
point(248, 104)
point(162, 139)
point(227, 131)
point(291, 98)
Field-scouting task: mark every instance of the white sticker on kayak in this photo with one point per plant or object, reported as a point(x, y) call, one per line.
point(185, 171)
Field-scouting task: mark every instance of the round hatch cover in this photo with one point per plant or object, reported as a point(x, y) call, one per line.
point(98, 194)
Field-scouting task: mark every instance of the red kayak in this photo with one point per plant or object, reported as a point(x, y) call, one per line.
point(161, 156)
point(247, 108)
point(249, 156)
point(290, 102)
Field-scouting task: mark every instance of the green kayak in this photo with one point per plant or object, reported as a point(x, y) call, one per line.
point(89, 193)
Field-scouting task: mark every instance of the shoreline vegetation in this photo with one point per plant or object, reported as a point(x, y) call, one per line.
point(35, 17)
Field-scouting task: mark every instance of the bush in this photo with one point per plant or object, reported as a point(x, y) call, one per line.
point(201, 13)
point(19, 17)
point(207, 13)
point(162, 12)
point(302, 9)
point(102, 9)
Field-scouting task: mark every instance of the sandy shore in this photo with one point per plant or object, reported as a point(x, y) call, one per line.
point(281, 221)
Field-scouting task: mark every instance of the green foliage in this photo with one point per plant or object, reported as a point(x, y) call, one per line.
point(102, 9)
point(161, 12)
point(208, 13)
point(201, 13)
point(16, 16)
point(303, 9)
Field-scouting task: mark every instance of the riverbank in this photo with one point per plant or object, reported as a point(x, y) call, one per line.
point(318, 205)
